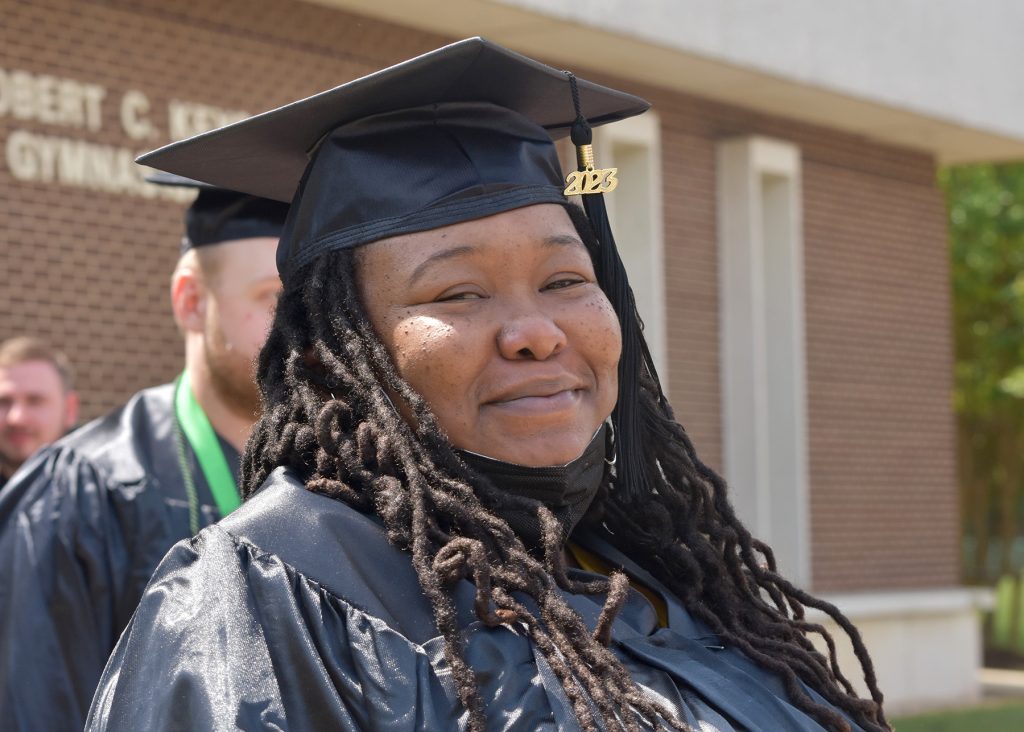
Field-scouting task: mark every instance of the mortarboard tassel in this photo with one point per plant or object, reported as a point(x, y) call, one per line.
point(591, 183)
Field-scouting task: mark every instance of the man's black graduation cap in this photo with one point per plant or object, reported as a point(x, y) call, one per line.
point(456, 134)
point(218, 215)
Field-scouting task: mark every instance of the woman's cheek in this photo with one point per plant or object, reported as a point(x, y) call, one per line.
point(597, 329)
point(426, 351)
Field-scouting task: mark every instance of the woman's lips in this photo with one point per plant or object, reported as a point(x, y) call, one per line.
point(540, 404)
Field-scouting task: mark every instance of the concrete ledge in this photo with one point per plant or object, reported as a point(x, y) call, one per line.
point(925, 644)
point(1002, 682)
point(549, 31)
point(909, 603)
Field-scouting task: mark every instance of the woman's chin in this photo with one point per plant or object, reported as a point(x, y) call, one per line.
point(540, 452)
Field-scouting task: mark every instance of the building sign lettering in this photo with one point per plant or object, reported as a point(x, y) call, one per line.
point(80, 107)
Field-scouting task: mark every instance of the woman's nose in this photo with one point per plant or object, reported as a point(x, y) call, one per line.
point(530, 336)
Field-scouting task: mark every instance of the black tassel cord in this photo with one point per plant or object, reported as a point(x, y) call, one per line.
point(631, 477)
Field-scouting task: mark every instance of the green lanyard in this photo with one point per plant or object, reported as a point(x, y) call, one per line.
point(193, 422)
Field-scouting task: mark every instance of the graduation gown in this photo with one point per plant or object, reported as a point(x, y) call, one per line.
point(295, 613)
point(83, 525)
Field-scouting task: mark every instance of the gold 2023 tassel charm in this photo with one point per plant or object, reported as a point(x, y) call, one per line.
point(587, 180)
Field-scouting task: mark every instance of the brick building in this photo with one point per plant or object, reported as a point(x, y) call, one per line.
point(784, 232)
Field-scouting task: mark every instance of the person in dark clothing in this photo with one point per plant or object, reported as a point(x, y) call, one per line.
point(469, 503)
point(86, 521)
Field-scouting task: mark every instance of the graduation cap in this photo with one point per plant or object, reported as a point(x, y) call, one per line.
point(218, 215)
point(459, 133)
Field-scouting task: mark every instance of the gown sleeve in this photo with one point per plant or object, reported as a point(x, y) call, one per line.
point(62, 563)
point(229, 638)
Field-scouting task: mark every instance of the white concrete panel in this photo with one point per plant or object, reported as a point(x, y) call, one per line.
point(764, 403)
point(925, 645)
point(772, 59)
point(950, 59)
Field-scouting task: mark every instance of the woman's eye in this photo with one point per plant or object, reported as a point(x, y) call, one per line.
point(563, 282)
point(458, 296)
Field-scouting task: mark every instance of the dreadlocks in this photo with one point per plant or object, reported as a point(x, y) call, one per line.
point(327, 383)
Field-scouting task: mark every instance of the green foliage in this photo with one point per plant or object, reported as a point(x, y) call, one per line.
point(986, 214)
point(991, 718)
point(986, 220)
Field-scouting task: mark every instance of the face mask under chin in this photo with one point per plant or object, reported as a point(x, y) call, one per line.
point(567, 490)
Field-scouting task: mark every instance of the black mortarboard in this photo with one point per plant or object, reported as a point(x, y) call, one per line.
point(218, 215)
point(457, 134)
point(462, 132)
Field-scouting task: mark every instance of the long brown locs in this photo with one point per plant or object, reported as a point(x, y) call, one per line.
point(355, 448)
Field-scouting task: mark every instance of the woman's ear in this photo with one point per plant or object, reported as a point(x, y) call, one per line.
point(188, 297)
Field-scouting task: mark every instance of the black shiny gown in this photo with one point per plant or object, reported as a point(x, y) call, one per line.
point(83, 525)
point(295, 613)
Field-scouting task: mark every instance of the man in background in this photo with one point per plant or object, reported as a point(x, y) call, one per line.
point(38, 403)
point(85, 522)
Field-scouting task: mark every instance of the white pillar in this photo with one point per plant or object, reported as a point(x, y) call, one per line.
point(764, 391)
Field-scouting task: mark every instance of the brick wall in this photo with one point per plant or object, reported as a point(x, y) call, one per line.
point(89, 270)
point(879, 339)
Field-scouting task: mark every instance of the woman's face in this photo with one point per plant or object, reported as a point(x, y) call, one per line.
point(500, 324)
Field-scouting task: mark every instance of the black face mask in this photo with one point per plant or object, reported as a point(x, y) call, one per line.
point(567, 490)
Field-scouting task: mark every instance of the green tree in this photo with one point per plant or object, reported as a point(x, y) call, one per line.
point(986, 215)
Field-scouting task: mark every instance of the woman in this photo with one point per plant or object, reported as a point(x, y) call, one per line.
point(469, 504)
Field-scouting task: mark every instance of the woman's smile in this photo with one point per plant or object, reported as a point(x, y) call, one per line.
point(565, 400)
point(543, 397)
